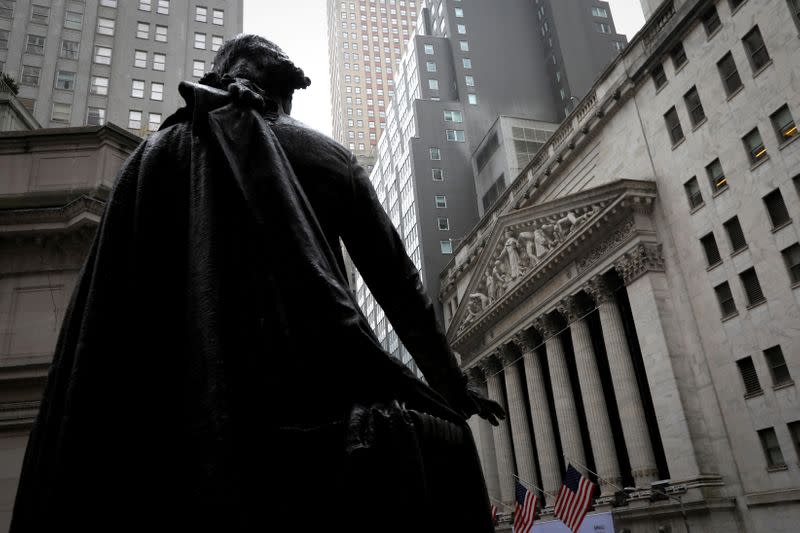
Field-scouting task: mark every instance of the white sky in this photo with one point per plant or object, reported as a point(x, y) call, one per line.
point(299, 27)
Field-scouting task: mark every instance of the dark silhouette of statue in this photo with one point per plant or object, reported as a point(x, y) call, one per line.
point(214, 372)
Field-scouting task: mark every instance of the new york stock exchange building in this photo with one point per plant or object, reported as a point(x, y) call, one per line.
point(632, 298)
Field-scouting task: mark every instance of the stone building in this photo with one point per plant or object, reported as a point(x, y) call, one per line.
point(632, 298)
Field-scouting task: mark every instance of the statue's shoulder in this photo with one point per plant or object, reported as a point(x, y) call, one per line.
point(301, 141)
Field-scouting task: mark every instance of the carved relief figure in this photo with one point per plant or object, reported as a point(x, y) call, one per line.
point(491, 288)
point(528, 238)
point(511, 251)
point(564, 225)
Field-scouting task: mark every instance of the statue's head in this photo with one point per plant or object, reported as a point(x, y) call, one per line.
point(262, 62)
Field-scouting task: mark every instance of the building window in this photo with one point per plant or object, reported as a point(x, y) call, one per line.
point(791, 256)
point(137, 88)
point(157, 91)
point(4, 40)
point(105, 26)
point(96, 116)
point(783, 123)
point(146, 5)
point(61, 112)
point(735, 234)
point(473, 99)
point(618, 45)
point(777, 366)
point(429, 49)
point(453, 116)
point(726, 303)
point(443, 223)
point(752, 287)
point(734, 4)
point(794, 6)
point(102, 55)
point(140, 59)
point(40, 14)
point(470, 81)
point(599, 12)
point(216, 42)
point(752, 386)
point(461, 29)
point(694, 106)
point(466, 63)
point(161, 33)
point(154, 122)
point(446, 247)
point(464, 45)
point(602, 27)
point(65, 80)
point(436, 154)
point(433, 85)
point(201, 14)
point(754, 146)
point(430, 66)
point(30, 76)
point(135, 120)
point(162, 7)
point(716, 176)
point(438, 175)
point(99, 86)
point(673, 126)
point(35, 44)
point(73, 20)
point(159, 61)
point(459, 13)
point(756, 49)
point(198, 68)
point(730, 75)
point(142, 30)
point(776, 207)
point(693, 193)
point(772, 450)
point(711, 21)
point(678, 55)
point(200, 40)
point(455, 135)
point(7, 9)
point(70, 49)
point(709, 244)
point(218, 17)
point(794, 430)
point(659, 76)
point(440, 201)
point(108, 3)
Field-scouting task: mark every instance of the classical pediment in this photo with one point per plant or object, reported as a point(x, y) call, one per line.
point(528, 246)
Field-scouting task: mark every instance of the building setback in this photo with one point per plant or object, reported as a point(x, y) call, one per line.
point(632, 298)
point(91, 62)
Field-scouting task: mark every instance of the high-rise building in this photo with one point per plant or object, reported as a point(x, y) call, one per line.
point(633, 296)
point(90, 62)
point(366, 39)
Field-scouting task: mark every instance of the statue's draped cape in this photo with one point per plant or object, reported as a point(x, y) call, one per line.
point(211, 353)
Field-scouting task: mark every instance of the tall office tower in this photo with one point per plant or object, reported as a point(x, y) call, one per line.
point(366, 39)
point(95, 61)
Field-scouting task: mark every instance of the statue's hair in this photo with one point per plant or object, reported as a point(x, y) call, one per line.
point(259, 60)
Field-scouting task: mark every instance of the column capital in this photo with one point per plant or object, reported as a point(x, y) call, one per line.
point(599, 289)
point(524, 341)
point(491, 364)
point(545, 325)
point(641, 259)
point(506, 354)
point(476, 373)
point(570, 308)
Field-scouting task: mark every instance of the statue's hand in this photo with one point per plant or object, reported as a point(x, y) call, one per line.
point(484, 407)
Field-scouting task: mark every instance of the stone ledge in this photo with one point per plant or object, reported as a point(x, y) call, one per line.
point(772, 497)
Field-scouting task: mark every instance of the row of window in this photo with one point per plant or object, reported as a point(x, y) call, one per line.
point(772, 448)
point(778, 370)
point(135, 121)
point(217, 15)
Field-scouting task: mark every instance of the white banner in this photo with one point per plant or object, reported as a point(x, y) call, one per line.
point(593, 523)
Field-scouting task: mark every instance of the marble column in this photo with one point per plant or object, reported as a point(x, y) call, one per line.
point(563, 398)
point(626, 389)
point(493, 370)
point(484, 438)
point(524, 451)
point(546, 449)
point(594, 402)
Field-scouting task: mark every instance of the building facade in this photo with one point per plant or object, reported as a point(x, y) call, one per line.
point(632, 298)
point(95, 61)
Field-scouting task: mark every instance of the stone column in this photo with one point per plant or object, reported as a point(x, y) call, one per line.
point(524, 452)
point(594, 402)
point(484, 438)
point(546, 449)
point(626, 389)
point(493, 370)
point(563, 399)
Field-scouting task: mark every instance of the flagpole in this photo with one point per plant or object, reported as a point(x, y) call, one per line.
point(670, 496)
point(534, 486)
point(499, 502)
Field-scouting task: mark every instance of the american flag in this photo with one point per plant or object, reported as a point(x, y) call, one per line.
point(524, 509)
point(494, 514)
point(574, 499)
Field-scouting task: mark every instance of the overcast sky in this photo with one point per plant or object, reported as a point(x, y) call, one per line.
point(299, 27)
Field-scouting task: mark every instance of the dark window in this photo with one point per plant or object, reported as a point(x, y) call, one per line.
point(693, 193)
point(726, 303)
point(3, 40)
point(674, 126)
point(756, 49)
point(494, 192)
point(30, 76)
point(776, 207)
point(69, 49)
point(752, 287)
point(678, 55)
point(784, 125)
point(7, 9)
point(756, 151)
point(794, 6)
point(487, 151)
point(749, 376)
point(735, 234)
point(35, 44)
point(710, 20)
point(40, 14)
point(729, 73)
point(443, 223)
point(710, 248)
point(772, 450)
point(777, 366)
point(791, 256)
point(794, 431)
point(694, 106)
point(659, 76)
point(716, 176)
point(437, 174)
point(735, 4)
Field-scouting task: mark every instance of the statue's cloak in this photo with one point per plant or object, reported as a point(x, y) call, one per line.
point(212, 349)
